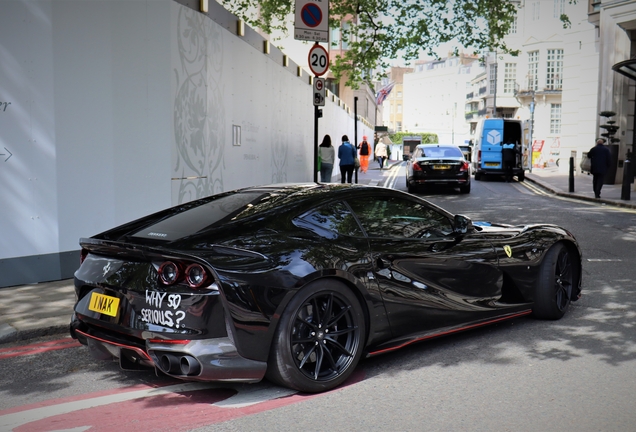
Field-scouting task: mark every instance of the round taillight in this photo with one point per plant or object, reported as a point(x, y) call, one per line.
point(196, 275)
point(169, 272)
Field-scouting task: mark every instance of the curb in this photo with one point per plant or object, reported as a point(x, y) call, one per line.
point(577, 196)
point(9, 334)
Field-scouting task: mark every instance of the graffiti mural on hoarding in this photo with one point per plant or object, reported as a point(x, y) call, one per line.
point(546, 156)
point(537, 147)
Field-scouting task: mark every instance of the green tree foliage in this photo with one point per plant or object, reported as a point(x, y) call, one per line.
point(427, 138)
point(384, 30)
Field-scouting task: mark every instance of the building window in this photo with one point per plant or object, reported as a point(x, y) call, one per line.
point(399, 127)
point(533, 70)
point(399, 94)
point(559, 8)
point(513, 25)
point(554, 69)
point(510, 76)
point(492, 78)
point(536, 11)
point(399, 108)
point(335, 38)
point(555, 119)
point(346, 25)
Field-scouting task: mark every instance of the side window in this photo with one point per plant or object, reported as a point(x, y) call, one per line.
point(331, 219)
point(400, 218)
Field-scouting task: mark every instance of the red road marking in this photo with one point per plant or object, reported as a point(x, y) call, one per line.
point(166, 412)
point(38, 348)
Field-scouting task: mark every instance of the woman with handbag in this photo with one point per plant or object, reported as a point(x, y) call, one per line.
point(326, 154)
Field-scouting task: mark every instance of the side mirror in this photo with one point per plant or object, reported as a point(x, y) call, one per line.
point(462, 224)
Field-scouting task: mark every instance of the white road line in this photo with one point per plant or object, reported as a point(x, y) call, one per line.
point(11, 421)
point(393, 174)
point(253, 394)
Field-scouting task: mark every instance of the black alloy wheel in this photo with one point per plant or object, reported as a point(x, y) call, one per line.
point(319, 339)
point(557, 277)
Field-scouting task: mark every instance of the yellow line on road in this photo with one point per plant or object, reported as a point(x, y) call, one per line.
point(600, 204)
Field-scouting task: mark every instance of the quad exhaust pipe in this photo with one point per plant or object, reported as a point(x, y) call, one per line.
point(178, 364)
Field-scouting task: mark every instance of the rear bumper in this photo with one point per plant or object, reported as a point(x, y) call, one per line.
point(458, 181)
point(498, 171)
point(215, 359)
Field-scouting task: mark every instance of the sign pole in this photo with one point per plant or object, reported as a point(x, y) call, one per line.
point(319, 92)
point(316, 109)
point(312, 24)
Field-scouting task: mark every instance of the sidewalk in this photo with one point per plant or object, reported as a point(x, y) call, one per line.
point(558, 183)
point(31, 311)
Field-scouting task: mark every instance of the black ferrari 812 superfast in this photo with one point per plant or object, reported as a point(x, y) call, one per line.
point(298, 282)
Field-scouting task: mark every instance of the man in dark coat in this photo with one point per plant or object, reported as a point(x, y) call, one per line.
point(601, 159)
point(509, 159)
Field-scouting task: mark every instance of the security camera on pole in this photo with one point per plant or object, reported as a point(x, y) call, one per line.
point(312, 24)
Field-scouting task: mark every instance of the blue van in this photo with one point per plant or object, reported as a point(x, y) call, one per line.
point(491, 135)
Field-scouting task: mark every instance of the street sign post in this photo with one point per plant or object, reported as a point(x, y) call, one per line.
point(312, 20)
point(319, 92)
point(318, 60)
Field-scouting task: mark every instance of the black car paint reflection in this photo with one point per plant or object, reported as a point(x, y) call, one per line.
point(412, 269)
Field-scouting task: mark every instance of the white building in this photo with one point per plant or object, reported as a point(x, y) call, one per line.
point(550, 84)
point(615, 22)
point(435, 95)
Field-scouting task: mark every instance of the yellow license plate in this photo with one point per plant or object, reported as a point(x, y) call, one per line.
point(441, 167)
point(492, 163)
point(104, 304)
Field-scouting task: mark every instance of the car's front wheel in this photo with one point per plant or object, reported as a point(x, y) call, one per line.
point(557, 276)
point(319, 339)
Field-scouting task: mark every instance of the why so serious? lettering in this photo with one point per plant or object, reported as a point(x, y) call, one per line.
point(168, 318)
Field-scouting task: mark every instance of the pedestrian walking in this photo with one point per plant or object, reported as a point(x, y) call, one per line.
point(380, 153)
point(327, 156)
point(365, 151)
point(600, 158)
point(347, 155)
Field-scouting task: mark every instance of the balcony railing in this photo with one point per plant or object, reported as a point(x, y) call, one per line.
point(470, 95)
point(482, 90)
point(471, 114)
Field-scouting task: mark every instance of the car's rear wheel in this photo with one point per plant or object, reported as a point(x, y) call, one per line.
point(522, 176)
point(465, 189)
point(410, 186)
point(477, 176)
point(319, 339)
point(557, 276)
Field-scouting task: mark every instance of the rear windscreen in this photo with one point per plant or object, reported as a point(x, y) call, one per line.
point(194, 219)
point(442, 152)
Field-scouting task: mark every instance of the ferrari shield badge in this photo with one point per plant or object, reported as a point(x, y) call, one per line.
point(508, 250)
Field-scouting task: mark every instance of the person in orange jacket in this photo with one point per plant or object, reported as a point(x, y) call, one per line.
point(365, 151)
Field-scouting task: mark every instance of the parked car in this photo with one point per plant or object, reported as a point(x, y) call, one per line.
point(438, 165)
point(297, 283)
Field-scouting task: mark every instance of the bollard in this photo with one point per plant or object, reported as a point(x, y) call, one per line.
point(571, 177)
point(627, 177)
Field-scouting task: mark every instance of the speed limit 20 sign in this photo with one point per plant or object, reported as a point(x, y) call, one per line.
point(318, 60)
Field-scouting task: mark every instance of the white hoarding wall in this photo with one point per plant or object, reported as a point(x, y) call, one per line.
point(113, 110)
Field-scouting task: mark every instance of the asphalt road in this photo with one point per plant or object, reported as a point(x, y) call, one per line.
point(576, 374)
